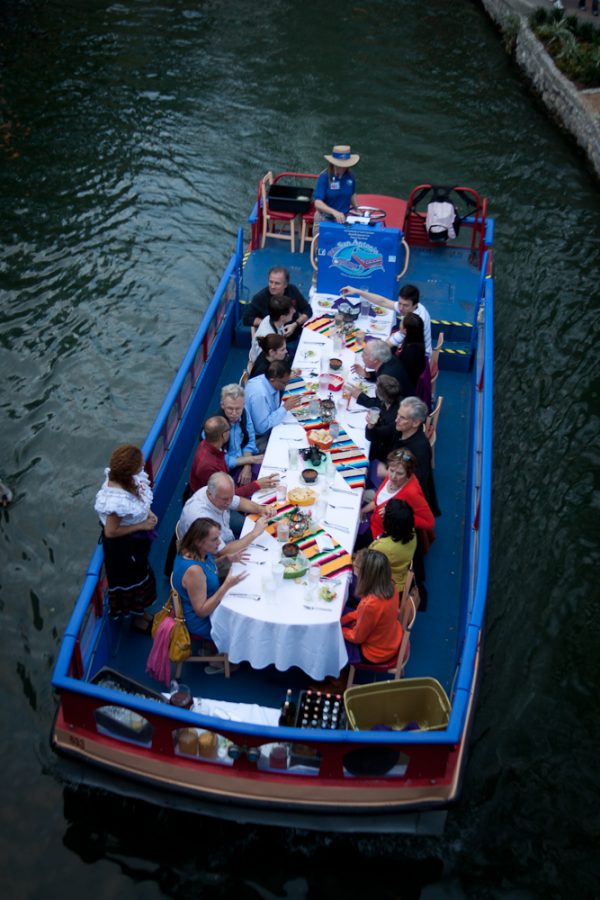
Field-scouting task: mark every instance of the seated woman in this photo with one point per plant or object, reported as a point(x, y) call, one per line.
point(398, 541)
point(123, 505)
point(272, 347)
point(401, 483)
point(281, 313)
point(411, 351)
point(195, 576)
point(372, 631)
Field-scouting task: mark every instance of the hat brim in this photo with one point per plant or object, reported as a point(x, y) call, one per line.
point(343, 163)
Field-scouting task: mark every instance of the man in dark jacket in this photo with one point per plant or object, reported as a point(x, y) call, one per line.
point(279, 286)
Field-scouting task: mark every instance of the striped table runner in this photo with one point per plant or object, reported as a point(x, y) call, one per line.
point(323, 325)
point(332, 562)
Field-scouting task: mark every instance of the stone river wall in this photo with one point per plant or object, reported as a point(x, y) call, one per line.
point(578, 111)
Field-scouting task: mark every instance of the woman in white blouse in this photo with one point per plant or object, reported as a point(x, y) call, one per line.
point(123, 506)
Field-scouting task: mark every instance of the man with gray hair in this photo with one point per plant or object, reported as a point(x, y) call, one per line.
point(378, 360)
point(215, 501)
point(412, 413)
point(241, 452)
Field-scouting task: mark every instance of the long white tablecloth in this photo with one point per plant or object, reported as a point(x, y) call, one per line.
point(285, 624)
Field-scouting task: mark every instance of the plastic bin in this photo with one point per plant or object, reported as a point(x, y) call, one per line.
point(287, 198)
point(409, 704)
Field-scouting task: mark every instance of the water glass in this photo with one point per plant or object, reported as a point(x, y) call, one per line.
point(323, 382)
point(292, 457)
point(314, 408)
point(334, 429)
point(365, 308)
point(281, 490)
point(373, 416)
point(283, 531)
point(278, 573)
point(314, 576)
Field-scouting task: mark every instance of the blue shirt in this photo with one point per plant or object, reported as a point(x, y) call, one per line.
point(263, 405)
point(195, 624)
point(235, 449)
point(336, 192)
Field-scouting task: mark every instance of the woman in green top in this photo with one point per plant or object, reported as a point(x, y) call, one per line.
point(398, 541)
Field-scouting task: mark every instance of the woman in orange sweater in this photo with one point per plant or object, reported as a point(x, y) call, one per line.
point(372, 631)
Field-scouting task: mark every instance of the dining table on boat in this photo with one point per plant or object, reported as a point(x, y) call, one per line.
point(269, 620)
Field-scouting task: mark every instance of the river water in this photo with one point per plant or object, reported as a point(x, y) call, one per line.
point(132, 140)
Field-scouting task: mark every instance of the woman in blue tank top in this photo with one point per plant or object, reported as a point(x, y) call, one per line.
point(195, 576)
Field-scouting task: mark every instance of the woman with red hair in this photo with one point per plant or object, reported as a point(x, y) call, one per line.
point(123, 507)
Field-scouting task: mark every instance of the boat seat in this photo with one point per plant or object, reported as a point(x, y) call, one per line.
point(434, 362)
point(270, 220)
point(406, 616)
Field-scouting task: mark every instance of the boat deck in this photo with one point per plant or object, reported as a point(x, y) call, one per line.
point(448, 286)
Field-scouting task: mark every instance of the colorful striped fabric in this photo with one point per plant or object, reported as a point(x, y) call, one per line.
point(323, 325)
point(332, 562)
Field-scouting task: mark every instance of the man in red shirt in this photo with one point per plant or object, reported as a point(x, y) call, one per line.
point(210, 458)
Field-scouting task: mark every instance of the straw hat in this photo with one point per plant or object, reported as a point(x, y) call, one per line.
point(342, 156)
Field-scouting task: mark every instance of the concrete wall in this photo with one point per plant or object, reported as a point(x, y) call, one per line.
point(577, 111)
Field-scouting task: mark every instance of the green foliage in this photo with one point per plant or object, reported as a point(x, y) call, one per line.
point(574, 46)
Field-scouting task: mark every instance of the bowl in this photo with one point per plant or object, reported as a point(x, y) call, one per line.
point(290, 551)
point(336, 382)
point(309, 476)
point(335, 364)
point(320, 438)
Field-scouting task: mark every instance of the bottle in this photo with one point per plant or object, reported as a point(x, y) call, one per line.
point(291, 707)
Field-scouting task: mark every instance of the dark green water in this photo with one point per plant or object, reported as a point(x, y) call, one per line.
point(133, 136)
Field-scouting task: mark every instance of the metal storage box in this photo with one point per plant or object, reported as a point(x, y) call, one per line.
point(409, 704)
point(286, 198)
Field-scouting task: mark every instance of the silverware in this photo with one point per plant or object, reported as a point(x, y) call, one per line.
point(340, 491)
point(256, 547)
point(342, 507)
point(245, 596)
point(319, 608)
point(257, 562)
point(338, 527)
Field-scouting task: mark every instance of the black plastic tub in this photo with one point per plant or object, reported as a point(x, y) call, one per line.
point(286, 198)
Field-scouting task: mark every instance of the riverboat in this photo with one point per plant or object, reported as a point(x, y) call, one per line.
point(229, 756)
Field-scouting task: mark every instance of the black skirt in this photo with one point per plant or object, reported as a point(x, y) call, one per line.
point(131, 581)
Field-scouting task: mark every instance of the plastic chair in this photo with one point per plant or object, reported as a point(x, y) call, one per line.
point(406, 616)
point(210, 657)
point(271, 219)
point(430, 427)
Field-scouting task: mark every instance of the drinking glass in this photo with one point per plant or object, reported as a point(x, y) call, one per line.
point(283, 531)
point(314, 408)
point(292, 457)
point(373, 416)
point(281, 491)
point(334, 429)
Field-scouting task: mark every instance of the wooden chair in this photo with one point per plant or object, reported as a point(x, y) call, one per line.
point(209, 657)
point(307, 228)
point(430, 427)
point(271, 219)
point(406, 616)
point(434, 362)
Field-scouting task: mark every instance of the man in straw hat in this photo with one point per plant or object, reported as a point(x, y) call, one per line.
point(335, 192)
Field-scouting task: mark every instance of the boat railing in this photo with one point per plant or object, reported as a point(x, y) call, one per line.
point(158, 447)
point(476, 557)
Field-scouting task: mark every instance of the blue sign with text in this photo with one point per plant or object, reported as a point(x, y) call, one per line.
point(360, 256)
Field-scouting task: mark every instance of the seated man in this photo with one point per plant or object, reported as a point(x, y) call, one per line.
point(377, 359)
point(277, 322)
point(263, 401)
point(210, 458)
point(408, 302)
point(215, 501)
point(241, 453)
point(410, 436)
point(279, 284)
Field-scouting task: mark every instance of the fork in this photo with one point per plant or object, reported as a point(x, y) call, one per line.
point(341, 507)
point(245, 596)
point(338, 527)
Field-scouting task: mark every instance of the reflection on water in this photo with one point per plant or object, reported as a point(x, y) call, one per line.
point(132, 141)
